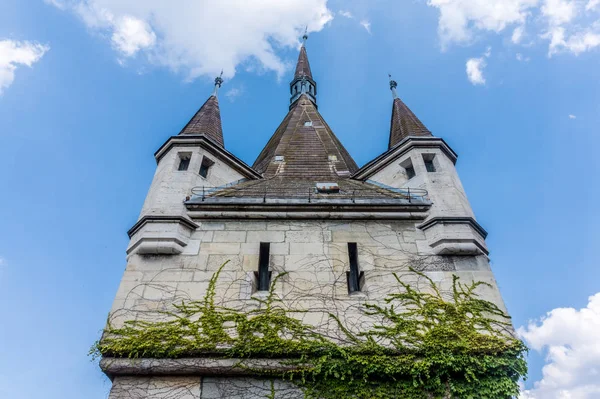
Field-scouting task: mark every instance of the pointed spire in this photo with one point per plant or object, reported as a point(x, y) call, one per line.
point(207, 121)
point(303, 82)
point(404, 122)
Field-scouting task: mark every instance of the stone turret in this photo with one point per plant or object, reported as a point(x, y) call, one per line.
point(334, 234)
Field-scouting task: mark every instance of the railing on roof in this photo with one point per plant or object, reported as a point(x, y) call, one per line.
point(228, 191)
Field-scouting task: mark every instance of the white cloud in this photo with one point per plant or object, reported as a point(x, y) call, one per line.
point(592, 4)
point(567, 25)
point(571, 116)
point(233, 93)
point(522, 58)
point(15, 53)
point(201, 37)
point(131, 35)
point(475, 70)
point(569, 338)
point(366, 24)
point(517, 34)
point(475, 67)
point(460, 20)
point(577, 43)
point(559, 12)
point(348, 14)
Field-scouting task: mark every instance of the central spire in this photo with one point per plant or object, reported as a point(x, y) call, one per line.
point(303, 82)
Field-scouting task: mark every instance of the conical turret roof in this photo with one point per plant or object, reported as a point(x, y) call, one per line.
point(207, 121)
point(405, 123)
point(302, 66)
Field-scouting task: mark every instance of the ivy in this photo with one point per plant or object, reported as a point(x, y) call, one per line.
point(421, 345)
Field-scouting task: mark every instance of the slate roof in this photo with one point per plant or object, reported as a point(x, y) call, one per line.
point(207, 121)
point(405, 123)
point(302, 66)
point(304, 151)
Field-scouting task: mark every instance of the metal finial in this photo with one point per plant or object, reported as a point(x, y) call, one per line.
point(393, 86)
point(305, 36)
point(218, 83)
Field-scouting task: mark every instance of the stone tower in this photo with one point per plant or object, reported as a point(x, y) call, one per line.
point(303, 208)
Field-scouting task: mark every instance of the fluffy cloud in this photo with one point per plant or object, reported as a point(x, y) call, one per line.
point(569, 338)
point(14, 54)
point(460, 20)
point(571, 116)
point(201, 37)
point(475, 68)
point(567, 25)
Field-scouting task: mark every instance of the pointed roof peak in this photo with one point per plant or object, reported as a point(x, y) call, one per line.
point(207, 121)
point(404, 123)
point(302, 66)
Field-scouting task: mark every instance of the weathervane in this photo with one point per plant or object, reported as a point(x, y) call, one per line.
point(393, 86)
point(218, 83)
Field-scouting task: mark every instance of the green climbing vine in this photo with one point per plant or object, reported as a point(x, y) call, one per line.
point(421, 344)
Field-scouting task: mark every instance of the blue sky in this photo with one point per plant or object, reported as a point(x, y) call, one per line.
point(90, 89)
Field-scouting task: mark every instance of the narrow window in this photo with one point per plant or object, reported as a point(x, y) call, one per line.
point(184, 161)
point(429, 164)
point(354, 276)
point(264, 275)
point(308, 123)
point(205, 166)
point(332, 158)
point(279, 158)
point(408, 168)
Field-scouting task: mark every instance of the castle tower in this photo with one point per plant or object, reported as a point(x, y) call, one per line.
point(334, 233)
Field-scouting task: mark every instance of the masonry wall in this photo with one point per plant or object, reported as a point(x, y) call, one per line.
point(313, 253)
point(444, 186)
point(170, 186)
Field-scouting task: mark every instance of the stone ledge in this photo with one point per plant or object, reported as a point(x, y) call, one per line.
point(114, 367)
point(454, 220)
point(160, 219)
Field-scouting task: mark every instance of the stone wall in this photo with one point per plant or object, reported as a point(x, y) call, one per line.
point(170, 186)
point(313, 253)
point(444, 186)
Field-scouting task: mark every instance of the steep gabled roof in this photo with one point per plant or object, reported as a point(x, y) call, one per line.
point(404, 124)
point(206, 121)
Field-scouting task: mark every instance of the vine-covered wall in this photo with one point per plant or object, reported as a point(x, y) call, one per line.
point(423, 342)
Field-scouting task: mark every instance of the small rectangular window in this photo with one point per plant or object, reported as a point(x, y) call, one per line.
point(429, 164)
point(408, 168)
point(264, 275)
point(205, 166)
point(184, 162)
point(279, 158)
point(354, 276)
point(308, 123)
point(332, 158)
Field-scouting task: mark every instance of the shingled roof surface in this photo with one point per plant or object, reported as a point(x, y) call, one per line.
point(303, 67)
point(311, 154)
point(207, 121)
point(405, 123)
